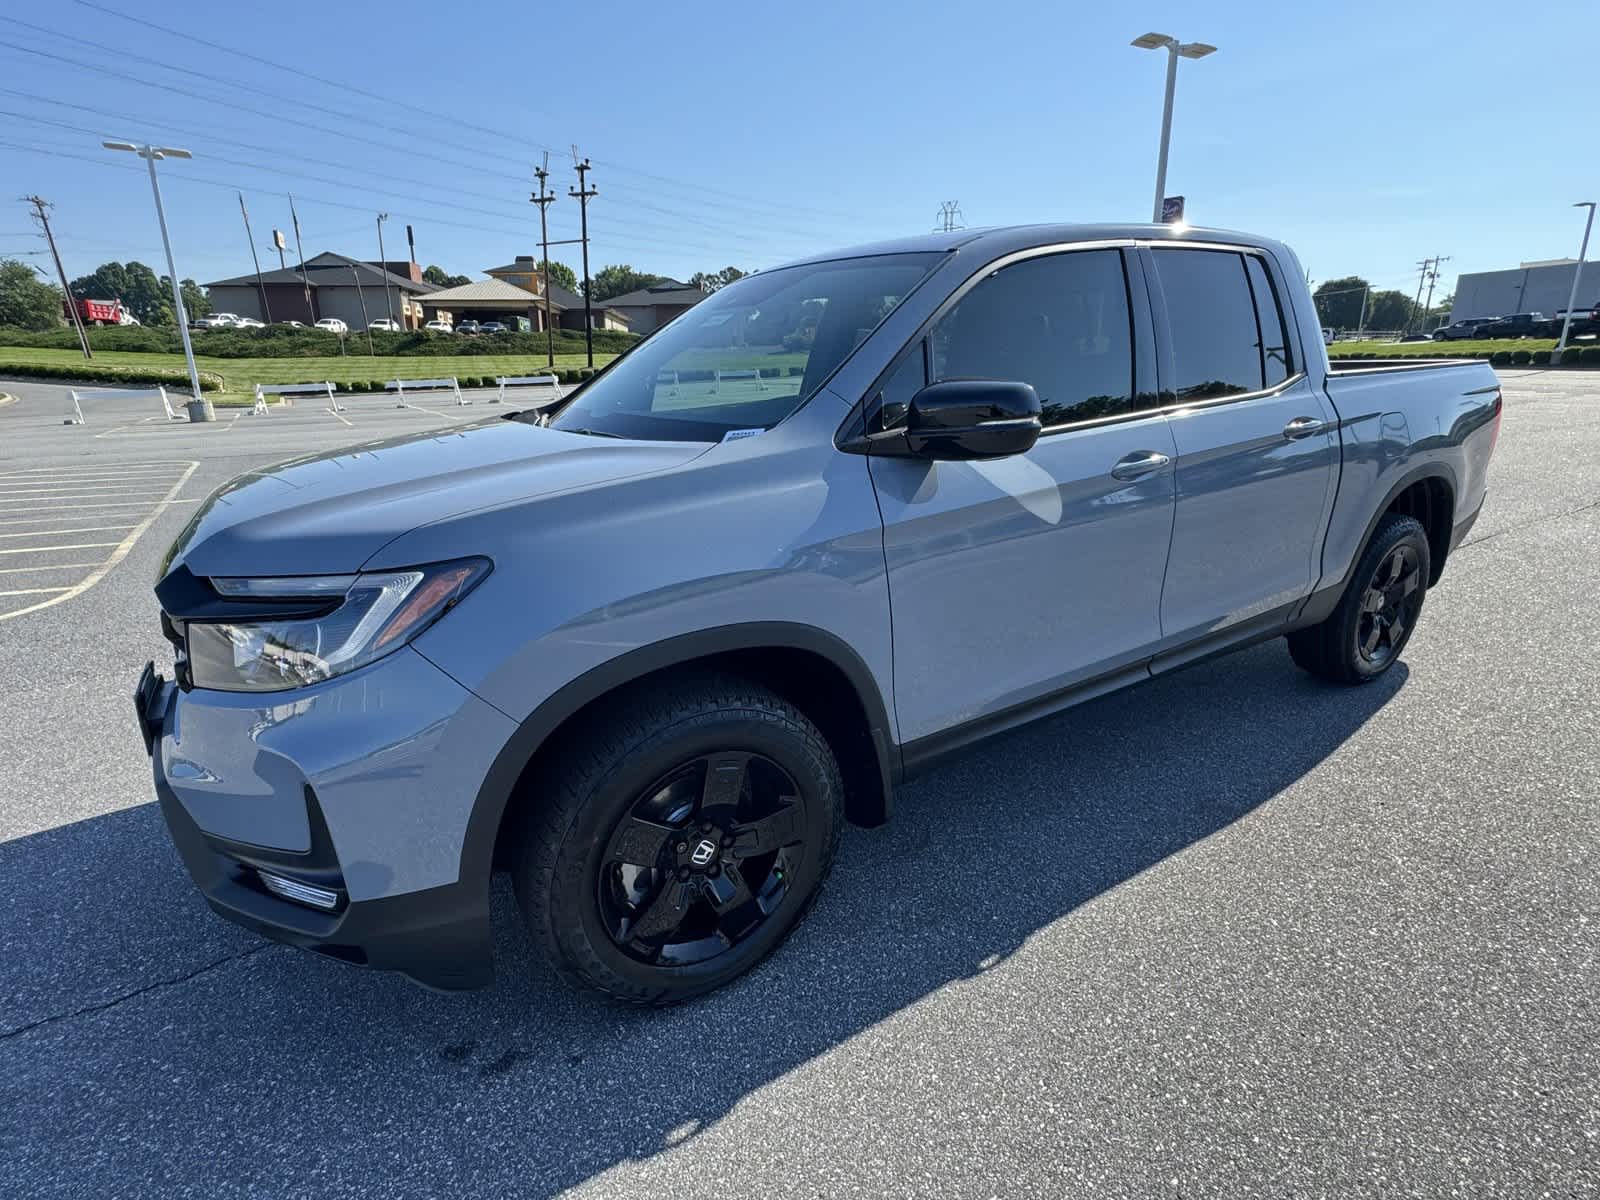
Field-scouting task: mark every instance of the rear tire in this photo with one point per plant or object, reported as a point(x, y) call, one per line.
point(683, 835)
point(1363, 637)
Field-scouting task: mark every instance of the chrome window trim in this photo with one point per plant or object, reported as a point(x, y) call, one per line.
point(1175, 409)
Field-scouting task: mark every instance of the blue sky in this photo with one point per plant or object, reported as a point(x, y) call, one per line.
point(1367, 135)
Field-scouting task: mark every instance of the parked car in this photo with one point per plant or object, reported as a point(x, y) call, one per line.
point(1516, 325)
point(289, 324)
point(493, 327)
point(703, 623)
point(468, 327)
point(333, 325)
point(1467, 327)
point(217, 321)
point(1585, 322)
point(385, 325)
point(1327, 336)
point(437, 326)
point(250, 323)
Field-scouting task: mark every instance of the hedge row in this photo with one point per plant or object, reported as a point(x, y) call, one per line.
point(280, 341)
point(171, 377)
point(1588, 356)
point(564, 374)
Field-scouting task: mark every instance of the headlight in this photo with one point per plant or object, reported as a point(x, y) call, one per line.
point(368, 616)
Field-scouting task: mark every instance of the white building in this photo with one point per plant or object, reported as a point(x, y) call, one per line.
point(1541, 287)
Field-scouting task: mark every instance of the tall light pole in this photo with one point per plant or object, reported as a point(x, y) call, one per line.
point(383, 264)
point(1175, 50)
point(151, 155)
point(1577, 274)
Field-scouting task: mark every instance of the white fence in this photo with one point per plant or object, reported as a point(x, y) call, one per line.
point(75, 413)
point(291, 390)
point(399, 386)
point(509, 381)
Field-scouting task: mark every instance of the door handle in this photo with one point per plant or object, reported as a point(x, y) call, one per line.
point(1139, 464)
point(1302, 427)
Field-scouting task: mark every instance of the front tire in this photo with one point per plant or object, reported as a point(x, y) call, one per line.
point(684, 835)
point(1363, 637)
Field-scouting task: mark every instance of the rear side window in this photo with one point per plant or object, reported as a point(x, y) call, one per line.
point(1276, 365)
point(1059, 322)
point(1216, 344)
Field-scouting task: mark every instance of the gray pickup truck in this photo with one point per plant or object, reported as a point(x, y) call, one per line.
point(650, 650)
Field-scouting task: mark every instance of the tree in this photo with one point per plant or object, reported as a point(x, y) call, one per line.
point(618, 281)
point(145, 294)
point(26, 301)
point(438, 276)
point(1389, 310)
point(195, 301)
point(1339, 302)
point(711, 281)
point(563, 276)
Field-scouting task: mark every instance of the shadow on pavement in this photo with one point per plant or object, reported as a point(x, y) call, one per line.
point(237, 1069)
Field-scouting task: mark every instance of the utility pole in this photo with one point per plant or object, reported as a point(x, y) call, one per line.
point(383, 265)
point(544, 200)
point(1361, 321)
point(950, 217)
point(261, 287)
point(362, 297)
point(1433, 275)
point(1577, 274)
point(40, 205)
point(300, 250)
point(1416, 305)
point(583, 195)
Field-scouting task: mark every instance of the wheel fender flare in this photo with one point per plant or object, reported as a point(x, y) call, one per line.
point(494, 794)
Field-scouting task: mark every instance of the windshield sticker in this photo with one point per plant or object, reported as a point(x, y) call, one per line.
point(733, 435)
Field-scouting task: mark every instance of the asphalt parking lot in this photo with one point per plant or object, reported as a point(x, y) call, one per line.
point(1232, 933)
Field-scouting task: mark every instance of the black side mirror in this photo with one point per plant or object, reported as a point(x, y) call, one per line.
point(972, 418)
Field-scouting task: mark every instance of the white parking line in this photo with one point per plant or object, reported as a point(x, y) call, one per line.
point(31, 591)
point(99, 516)
point(119, 551)
point(74, 546)
point(57, 485)
point(122, 505)
point(53, 532)
point(51, 567)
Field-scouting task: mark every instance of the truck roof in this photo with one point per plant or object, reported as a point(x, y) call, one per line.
point(1003, 239)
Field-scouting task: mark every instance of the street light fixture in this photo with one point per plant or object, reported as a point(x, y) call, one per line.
point(151, 155)
point(1175, 50)
point(1577, 274)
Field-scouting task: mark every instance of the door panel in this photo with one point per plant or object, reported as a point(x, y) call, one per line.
point(1013, 578)
point(1252, 508)
point(1256, 473)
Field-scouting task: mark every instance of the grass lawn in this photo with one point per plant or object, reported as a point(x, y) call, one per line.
point(242, 374)
point(1431, 349)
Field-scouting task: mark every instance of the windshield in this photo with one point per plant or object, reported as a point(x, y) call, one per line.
point(748, 355)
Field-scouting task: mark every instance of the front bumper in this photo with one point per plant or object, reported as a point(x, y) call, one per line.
point(371, 861)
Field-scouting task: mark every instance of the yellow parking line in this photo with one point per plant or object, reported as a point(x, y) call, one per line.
point(116, 556)
point(46, 549)
point(31, 591)
point(51, 567)
point(52, 532)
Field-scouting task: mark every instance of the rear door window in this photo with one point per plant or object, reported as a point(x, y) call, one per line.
point(1211, 315)
point(1276, 362)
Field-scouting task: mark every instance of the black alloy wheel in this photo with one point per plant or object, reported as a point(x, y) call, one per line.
point(682, 833)
point(701, 859)
point(1389, 606)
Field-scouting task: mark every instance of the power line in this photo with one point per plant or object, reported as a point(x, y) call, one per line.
point(391, 101)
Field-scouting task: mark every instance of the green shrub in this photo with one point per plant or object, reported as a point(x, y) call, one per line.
point(1590, 356)
point(797, 370)
point(1539, 358)
point(1501, 358)
point(585, 372)
point(168, 377)
point(1520, 358)
point(1569, 356)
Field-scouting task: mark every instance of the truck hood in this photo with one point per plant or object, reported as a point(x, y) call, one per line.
point(329, 513)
